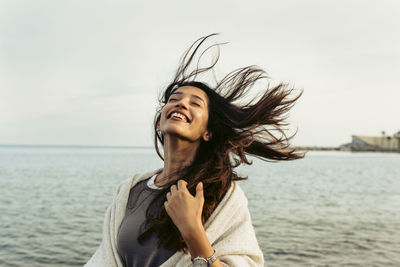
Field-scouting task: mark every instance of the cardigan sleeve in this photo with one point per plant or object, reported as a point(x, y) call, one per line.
point(237, 245)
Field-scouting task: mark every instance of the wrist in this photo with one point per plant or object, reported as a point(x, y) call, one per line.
point(192, 232)
point(197, 242)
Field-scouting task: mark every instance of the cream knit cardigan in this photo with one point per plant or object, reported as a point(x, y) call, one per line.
point(229, 230)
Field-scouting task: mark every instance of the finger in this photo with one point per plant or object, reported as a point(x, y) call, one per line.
point(182, 185)
point(173, 189)
point(168, 195)
point(199, 191)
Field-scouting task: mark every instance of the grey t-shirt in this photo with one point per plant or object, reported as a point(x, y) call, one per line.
point(132, 253)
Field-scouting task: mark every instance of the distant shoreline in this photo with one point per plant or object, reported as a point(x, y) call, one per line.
point(318, 148)
point(342, 149)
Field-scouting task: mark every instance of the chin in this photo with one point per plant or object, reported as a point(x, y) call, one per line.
point(180, 135)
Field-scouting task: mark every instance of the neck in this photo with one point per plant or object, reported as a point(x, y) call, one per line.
point(178, 153)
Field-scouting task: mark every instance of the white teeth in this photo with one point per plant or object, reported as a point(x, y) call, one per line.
point(179, 115)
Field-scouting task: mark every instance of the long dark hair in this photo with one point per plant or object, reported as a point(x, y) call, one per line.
point(237, 130)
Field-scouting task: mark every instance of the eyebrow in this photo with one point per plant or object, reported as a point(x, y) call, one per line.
point(196, 96)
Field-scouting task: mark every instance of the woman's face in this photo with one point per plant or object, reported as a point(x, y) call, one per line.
point(185, 115)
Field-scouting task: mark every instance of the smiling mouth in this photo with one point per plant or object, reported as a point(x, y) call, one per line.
point(178, 117)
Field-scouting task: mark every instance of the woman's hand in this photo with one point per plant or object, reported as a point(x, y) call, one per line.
point(184, 209)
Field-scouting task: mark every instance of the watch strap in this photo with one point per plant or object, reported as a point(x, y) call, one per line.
point(209, 260)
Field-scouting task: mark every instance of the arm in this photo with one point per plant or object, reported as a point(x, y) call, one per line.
point(185, 211)
point(198, 244)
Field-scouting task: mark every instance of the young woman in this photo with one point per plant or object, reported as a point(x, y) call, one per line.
point(192, 212)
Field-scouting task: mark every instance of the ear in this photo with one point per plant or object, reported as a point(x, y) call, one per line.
point(207, 136)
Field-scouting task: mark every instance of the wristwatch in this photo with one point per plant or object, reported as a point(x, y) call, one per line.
point(200, 261)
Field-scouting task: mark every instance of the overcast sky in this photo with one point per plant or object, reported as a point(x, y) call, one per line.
point(89, 72)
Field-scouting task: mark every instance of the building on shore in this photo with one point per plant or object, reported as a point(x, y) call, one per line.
point(375, 143)
point(361, 143)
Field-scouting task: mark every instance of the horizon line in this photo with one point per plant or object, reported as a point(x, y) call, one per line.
point(125, 146)
point(76, 146)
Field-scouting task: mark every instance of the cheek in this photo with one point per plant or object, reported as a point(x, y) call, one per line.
point(162, 118)
point(204, 119)
point(164, 112)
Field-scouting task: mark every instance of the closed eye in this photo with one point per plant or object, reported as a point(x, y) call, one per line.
point(196, 104)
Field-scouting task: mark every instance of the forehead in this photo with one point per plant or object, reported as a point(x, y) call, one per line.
point(192, 91)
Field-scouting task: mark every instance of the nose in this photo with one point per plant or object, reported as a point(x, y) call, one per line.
point(182, 103)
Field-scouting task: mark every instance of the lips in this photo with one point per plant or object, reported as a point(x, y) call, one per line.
point(180, 113)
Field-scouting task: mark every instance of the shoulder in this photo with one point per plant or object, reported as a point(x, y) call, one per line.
point(238, 192)
point(235, 196)
point(233, 207)
point(231, 227)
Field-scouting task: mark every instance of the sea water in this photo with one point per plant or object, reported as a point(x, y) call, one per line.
point(328, 209)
